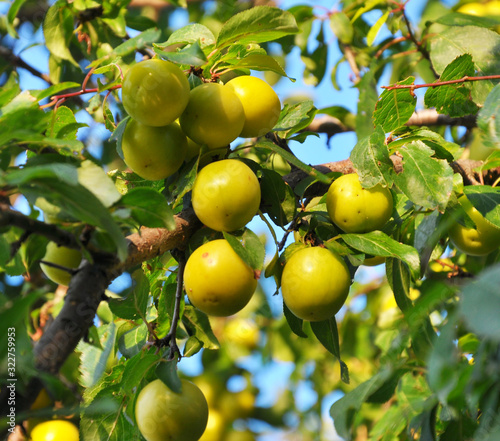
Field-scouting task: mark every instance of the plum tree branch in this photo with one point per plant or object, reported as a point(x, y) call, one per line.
point(441, 83)
point(10, 217)
point(427, 117)
point(17, 61)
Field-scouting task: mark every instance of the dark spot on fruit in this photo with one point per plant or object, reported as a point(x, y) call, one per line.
point(204, 255)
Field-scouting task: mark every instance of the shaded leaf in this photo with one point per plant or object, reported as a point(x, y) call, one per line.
point(197, 324)
point(149, 208)
point(249, 247)
point(167, 372)
point(327, 333)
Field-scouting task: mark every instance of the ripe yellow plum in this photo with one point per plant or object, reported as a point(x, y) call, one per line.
point(355, 209)
point(315, 283)
point(226, 195)
point(217, 281)
point(214, 116)
point(260, 102)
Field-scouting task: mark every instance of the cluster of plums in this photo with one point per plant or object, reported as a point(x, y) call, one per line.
point(168, 124)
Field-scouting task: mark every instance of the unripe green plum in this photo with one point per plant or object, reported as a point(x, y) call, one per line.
point(63, 256)
point(315, 283)
point(154, 153)
point(355, 209)
point(217, 281)
point(155, 92)
point(478, 241)
point(261, 104)
point(162, 414)
point(226, 195)
point(214, 115)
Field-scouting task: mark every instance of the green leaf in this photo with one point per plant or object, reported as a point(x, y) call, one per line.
point(488, 119)
point(295, 117)
point(93, 359)
point(95, 179)
point(295, 323)
point(425, 181)
point(11, 15)
point(118, 134)
point(316, 61)
point(486, 200)
point(249, 247)
point(180, 183)
point(395, 107)
point(375, 29)
point(66, 173)
point(377, 243)
point(278, 198)
point(460, 19)
point(192, 346)
point(398, 276)
point(367, 103)
point(370, 157)
point(58, 31)
point(482, 44)
point(197, 324)
point(257, 62)
point(136, 368)
point(327, 333)
point(167, 372)
point(257, 25)
point(64, 124)
point(133, 44)
point(131, 342)
point(192, 55)
point(345, 410)
point(455, 99)
point(133, 307)
point(191, 34)
point(149, 208)
point(342, 27)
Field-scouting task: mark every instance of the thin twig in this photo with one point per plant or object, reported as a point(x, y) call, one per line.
point(441, 83)
point(19, 62)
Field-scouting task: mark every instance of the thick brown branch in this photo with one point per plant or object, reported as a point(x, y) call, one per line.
point(9, 217)
point(428, 117)
point(465, 167)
